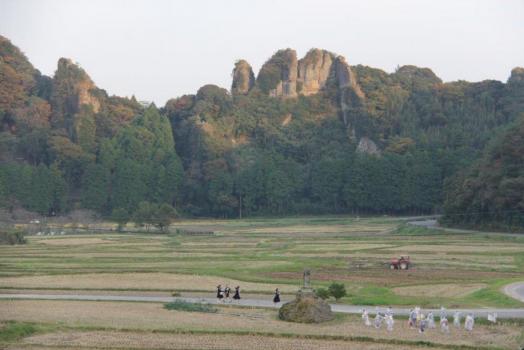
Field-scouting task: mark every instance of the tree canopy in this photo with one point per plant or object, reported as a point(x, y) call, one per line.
point(400, 143)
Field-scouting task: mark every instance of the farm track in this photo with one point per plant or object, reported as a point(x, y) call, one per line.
point(513, 313)
point(515, 290)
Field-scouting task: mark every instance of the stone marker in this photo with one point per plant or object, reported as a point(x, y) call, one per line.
point(307, 307)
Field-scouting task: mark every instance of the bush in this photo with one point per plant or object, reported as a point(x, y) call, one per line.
point(12, 237)
point(159, 215)
point(181, 305)
point(121, 216)
point(323, 293)
point(337, 290)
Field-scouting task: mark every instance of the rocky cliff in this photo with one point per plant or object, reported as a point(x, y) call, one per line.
point(314, 70)
point(285, 76)
point(517, 76)
point(319, 70)
point(72, 83)
point(278, 76)
point(73, 95)
point(243, 78)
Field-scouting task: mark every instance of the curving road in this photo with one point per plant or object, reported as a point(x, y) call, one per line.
point(515, 290)
point(350, 309)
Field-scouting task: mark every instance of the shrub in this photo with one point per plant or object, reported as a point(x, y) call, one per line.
point(181, 305)
point(337, 290)
point(121, 216)
point(12, 237)
point(159, 215)
point(323, 293)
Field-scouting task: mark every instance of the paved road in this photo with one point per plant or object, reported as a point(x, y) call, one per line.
point(433, 223)
point(515, 290)
point(349, 309)
point(430, 223)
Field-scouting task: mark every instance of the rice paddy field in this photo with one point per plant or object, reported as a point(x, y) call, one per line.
point(454, 269)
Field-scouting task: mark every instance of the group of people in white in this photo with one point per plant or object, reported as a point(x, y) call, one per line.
point(418, 320)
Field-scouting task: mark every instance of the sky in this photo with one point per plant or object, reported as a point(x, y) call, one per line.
point(160, 49)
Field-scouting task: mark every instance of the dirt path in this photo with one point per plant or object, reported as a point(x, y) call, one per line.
point(264, 303)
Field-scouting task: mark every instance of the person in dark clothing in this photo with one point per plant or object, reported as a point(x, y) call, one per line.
point(237, 293)
point(276, 298)
point(220, 294)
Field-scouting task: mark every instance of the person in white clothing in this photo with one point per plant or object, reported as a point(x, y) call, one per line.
point(431, 320)
point(412, 320)
point(469, 323)
point(456, 319)
point(378, 320)
point(389, 311)
point(418, 312)
point(492, 317)
point(365, 317)
point(444, 325)
point(443, 312)
point(390, 322)
point(423, 324)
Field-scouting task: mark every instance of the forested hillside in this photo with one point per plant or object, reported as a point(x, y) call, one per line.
point(490, 193)
point(310, 135)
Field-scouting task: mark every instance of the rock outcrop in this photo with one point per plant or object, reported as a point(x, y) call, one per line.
point(72, 88)
point(367, 146)
point(278, 76)
point(74, 97)
point(243, 78)
point(517, 76)
point(345, 77)
point(283, 76)
point(320, 70)
point(313, 71)
point(306, 308)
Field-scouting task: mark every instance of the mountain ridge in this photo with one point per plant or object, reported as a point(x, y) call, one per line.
point(308, 135)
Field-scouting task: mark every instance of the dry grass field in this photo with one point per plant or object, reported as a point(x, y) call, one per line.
point(440, 290)
point(262, 254)
point(152, 317)
point(142, 340)
point(454, 269)
point(154, 281)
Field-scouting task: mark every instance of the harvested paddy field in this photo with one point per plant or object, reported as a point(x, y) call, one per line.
point(450, 269)
point(140, 317)
point(440, 290)
point(129, 281)
point(144, 340)
point(263, 254)
point(74, 241)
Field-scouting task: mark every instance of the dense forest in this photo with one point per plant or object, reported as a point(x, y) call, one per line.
point(314, 135)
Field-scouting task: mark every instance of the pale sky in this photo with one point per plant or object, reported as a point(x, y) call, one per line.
point(161, 49)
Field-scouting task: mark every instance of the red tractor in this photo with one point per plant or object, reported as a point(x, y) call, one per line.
point(401, 263)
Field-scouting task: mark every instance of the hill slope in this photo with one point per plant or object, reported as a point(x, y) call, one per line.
point(307, 135)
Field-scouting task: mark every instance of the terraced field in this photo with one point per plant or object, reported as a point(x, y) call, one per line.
point(262, 254)
point(454, 269)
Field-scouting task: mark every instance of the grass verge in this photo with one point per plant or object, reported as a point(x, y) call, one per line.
point(181, 305)
point(12, 331)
